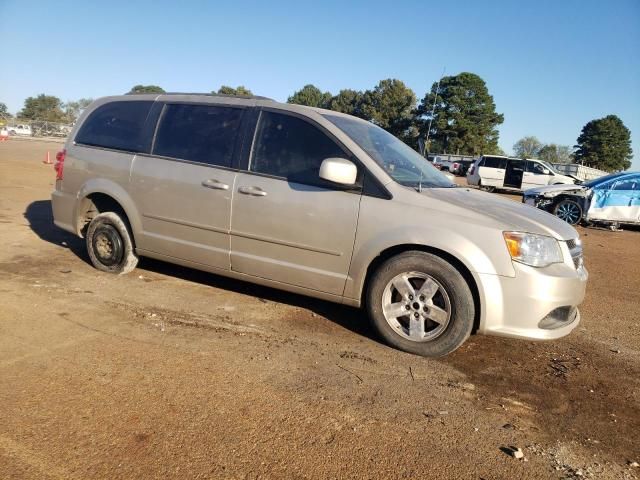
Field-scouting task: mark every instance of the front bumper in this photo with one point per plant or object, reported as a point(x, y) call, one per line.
point(537, 304)
point(539, 201)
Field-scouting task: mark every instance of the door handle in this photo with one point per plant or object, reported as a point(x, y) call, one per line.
point(255, 191)
point(215, 184)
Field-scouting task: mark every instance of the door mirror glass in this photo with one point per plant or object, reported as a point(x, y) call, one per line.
point(338, 170)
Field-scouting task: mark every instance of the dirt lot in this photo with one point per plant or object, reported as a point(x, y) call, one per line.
point(173, 373)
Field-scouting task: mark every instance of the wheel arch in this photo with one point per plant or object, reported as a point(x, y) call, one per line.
point(578, 200)
point(448, 257)
point(105, 197)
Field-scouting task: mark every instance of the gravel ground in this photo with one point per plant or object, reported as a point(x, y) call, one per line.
point(173, 373)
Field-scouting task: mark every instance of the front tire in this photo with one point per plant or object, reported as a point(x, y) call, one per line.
point(110, 244)
point(569, 211)
point(421, 304)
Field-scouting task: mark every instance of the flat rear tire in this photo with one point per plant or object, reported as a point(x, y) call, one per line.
point(110, 244)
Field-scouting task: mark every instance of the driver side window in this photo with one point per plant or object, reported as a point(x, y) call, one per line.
point(287, 146)
point(535, 168)
point(626, 185)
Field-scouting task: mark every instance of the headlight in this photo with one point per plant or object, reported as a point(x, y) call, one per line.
point(532, 249)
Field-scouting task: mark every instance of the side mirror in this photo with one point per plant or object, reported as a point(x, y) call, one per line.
point(546, 171)
point(338, 170)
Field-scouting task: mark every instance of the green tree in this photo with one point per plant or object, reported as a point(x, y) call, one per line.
point(4, 112)
point(465, 120)
point(553, 153)
point(240, 90)
point(43, 107)
point(391, 105)
point(147, 89)
point(605, 143)
point(527, 147)
point(347, 101)
point(73, 109)
point(311, 96)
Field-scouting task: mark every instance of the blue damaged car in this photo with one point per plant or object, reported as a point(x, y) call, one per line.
point(612, 199)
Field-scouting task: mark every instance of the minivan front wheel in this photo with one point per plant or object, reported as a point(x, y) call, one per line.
point(421, 304)
point(109, 244)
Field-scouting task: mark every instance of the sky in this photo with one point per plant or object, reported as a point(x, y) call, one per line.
point(551, 66)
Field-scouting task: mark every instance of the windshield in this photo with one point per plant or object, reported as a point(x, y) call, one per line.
point(401, 162)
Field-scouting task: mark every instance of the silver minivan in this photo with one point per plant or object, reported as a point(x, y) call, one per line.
point(318, 203)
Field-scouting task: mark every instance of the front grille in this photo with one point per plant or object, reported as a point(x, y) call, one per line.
point(575, 248)
point(578, 261)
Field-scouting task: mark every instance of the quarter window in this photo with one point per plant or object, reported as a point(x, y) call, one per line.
point(117, 125)
point(198, 133)
point(286, 146)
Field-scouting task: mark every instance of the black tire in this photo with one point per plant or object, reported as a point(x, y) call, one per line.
point(462, 308)
point(569, 211)
point(110, 244)
point(486, 189)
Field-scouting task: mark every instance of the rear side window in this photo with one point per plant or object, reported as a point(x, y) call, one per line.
point(117, 125)
point(286, 146)
point(198, 133)
point(494, 162)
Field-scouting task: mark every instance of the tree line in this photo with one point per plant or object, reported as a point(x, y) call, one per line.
point(457, 115)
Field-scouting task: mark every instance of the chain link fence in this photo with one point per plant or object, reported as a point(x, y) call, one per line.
point(35, 128)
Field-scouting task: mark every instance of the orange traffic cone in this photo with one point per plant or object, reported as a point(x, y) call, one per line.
point(47, 161)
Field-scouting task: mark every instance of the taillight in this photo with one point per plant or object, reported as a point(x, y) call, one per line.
point(59, 165)
point(471, 169)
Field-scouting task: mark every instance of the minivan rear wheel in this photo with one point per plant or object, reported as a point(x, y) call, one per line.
point(421, 304)
point(110, 245)
point(489, 189)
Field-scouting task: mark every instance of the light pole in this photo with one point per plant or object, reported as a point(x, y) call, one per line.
point(433, 109)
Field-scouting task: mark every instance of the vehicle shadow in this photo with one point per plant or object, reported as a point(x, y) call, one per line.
point(40, 218)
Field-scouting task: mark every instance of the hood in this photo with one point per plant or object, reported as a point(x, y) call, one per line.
point(554, 189)
point(503, 213)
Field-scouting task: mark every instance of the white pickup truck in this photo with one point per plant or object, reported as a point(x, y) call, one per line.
point(22, 129)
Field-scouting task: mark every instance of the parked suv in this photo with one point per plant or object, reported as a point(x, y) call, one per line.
point(319, 203)
point(461, 167)
point(493, 172)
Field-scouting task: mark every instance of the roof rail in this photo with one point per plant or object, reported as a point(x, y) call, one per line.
point(225, 95)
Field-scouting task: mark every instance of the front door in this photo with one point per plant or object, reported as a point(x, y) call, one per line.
point(288, 225)
point(618, 201)
point(513, 174)
point(183, 190)
point(534, 175)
